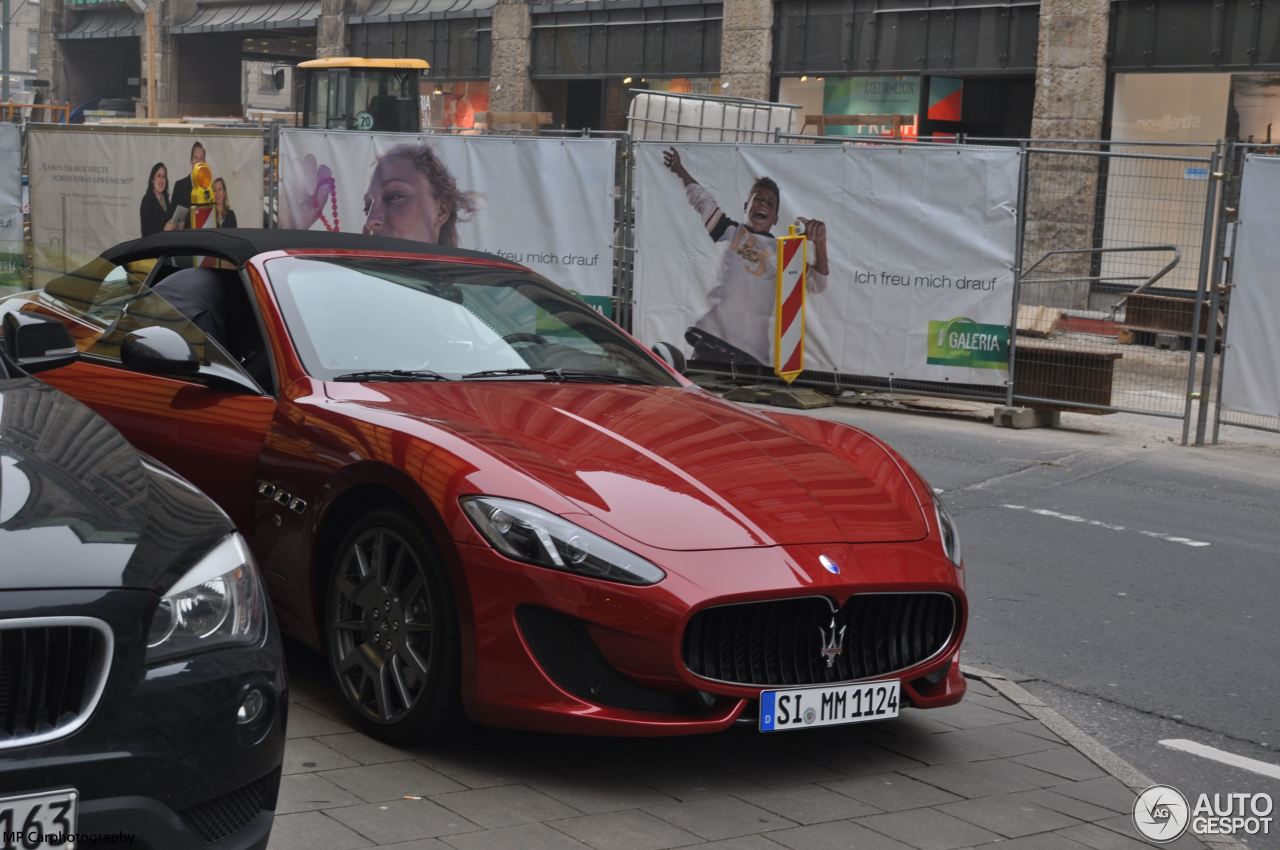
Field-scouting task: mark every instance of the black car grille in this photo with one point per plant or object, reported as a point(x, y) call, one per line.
point(779, 643)
point(50, 674)
point(230, 813)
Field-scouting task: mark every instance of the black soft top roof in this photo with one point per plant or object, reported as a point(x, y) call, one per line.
point(241, 244)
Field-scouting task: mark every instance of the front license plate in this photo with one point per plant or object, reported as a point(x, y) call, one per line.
point(46, 819)
point(803, 708)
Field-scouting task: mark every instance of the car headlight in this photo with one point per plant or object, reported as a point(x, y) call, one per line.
point(526, 533)
point(947, 528)
point(218, 602)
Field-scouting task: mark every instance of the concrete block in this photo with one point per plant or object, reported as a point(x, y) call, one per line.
point(1170, 342)
point(1025, 417)
point(751, 394)
point(799, 398)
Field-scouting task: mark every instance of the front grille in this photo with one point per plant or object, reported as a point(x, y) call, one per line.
point(52, 671)
point(228, 814)
point(779, 643)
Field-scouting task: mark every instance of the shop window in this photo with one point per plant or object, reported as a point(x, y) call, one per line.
point(453, 105)
point(874, 106)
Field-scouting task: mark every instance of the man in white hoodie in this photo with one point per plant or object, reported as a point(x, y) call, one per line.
point(737, 329)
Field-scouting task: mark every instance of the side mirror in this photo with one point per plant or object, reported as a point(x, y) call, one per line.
point(36, 343)
point(159, 351)
point(671, 355)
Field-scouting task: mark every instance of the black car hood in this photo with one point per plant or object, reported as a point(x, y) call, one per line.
point(81, 508)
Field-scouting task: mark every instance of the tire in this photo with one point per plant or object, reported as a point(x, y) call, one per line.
point(391, 630)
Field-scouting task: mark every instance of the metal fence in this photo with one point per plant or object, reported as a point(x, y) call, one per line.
point(1123, 276)
point(1111, 279)
point(1121, 282)
point(1108, 301)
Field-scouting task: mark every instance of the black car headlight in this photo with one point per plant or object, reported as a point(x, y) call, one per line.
point(947, 528)
point(526, 533)
point(219, 602)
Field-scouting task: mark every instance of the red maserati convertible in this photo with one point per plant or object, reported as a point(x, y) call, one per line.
point(480, 498)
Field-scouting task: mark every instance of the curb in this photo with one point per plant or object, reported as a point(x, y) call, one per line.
point(1088, 746)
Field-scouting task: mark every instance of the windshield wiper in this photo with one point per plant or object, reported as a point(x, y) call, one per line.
point(392, 375)
point(558, 375)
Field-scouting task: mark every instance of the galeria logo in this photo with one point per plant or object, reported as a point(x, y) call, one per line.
point(964, 342)
point(1161, 814)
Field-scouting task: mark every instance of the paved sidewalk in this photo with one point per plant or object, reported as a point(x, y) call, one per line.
point(982, 773)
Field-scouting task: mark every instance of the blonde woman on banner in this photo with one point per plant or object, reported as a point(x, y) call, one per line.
point(410, 195)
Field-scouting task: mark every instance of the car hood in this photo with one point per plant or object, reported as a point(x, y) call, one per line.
point(674, 468)
point(81, 508)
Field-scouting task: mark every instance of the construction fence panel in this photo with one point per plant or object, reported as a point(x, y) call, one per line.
point(92, 187)
point(910, 259)
point(1111, 312)
point(543, 201)
point(1250, 292)
point(623, 208)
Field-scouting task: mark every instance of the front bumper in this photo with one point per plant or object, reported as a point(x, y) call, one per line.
point(162, 762)
point(554, 652)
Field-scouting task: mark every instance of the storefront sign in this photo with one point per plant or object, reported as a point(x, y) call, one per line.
point(871, 96)
point(1250, 379)
point(544, 203)
point(910, 255)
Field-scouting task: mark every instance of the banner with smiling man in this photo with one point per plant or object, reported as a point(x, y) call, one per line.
point(909, 267)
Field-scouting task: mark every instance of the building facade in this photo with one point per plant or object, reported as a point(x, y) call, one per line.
point(1001, 68)
point(23, 33)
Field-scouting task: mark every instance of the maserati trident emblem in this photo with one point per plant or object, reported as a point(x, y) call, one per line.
point(832, 642)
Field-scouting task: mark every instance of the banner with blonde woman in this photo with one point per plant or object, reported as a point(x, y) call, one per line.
point(92, 187)
point(544, 203)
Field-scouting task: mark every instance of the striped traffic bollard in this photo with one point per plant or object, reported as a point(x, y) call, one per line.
point(788, 334)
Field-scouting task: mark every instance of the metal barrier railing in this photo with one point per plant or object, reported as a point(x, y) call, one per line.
point(13, 109)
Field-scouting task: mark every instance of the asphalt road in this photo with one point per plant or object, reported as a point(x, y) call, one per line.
point(1131, 583)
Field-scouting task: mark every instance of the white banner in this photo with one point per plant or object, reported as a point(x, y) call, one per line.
point(92, 187)
point(911, 254)
point(544, 203)
point(10, 206)
point(1251, 373)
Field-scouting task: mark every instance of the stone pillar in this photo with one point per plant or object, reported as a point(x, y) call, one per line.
point(746, 48)
point(1062, 192)
point(173, 13)
point(510, 88)
point(50, 61)
point(331, 29)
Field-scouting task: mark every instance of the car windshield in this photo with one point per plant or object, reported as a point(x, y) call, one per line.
point(392, 319)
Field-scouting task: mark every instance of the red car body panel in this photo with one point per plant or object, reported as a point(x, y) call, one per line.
point(734, 504)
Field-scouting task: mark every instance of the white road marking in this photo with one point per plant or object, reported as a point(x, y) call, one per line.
point(1214, 754)
point(1159, 535)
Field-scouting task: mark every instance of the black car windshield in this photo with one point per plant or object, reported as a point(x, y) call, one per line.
point(356, 318)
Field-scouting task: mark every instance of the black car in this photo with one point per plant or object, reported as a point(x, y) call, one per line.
point(142, 684)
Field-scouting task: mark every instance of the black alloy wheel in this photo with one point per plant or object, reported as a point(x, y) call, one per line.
point(392, 630)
